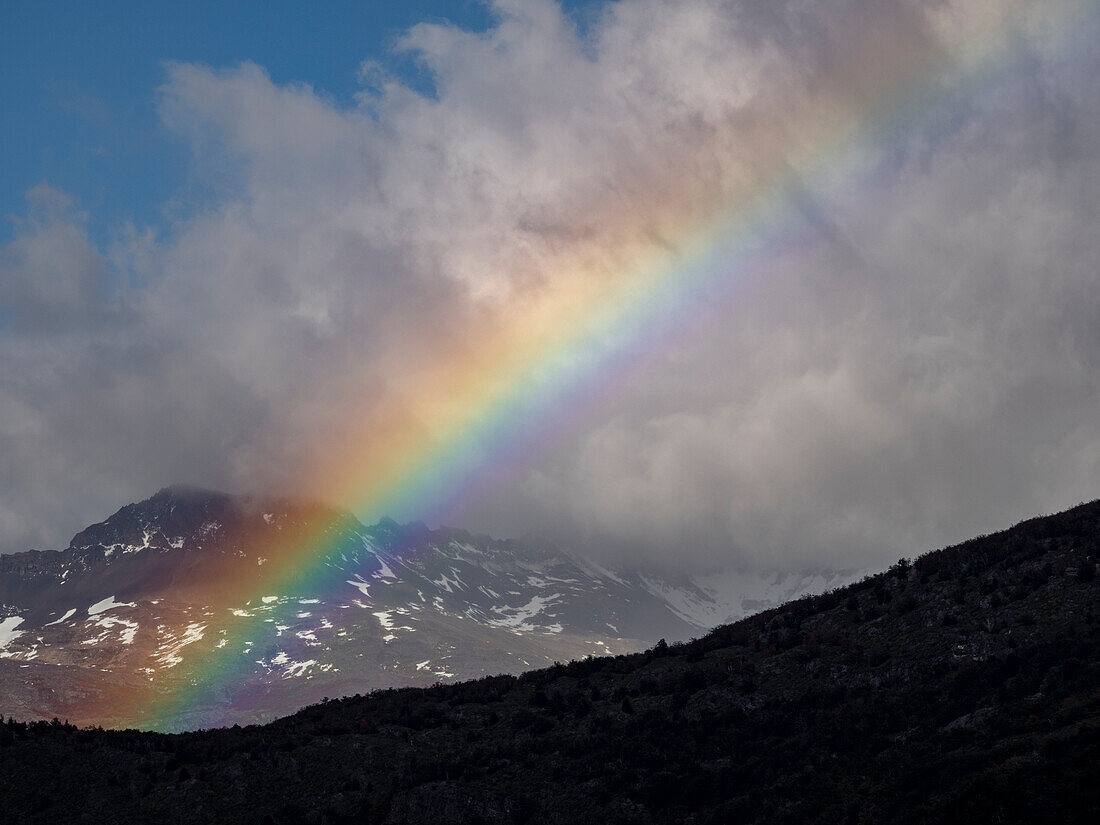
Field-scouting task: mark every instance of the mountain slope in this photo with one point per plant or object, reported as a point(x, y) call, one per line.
point(122, 619)
point(964, 687)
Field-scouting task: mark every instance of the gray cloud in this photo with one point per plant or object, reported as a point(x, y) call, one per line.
point(916, 364)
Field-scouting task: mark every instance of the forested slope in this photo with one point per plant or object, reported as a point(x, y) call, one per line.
point(962, 687)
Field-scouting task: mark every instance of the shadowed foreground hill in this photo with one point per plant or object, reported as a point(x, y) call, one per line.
point(964, 687)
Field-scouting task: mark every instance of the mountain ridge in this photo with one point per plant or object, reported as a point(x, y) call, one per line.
point(143, 597)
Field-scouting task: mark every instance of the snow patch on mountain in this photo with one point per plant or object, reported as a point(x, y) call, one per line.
point(445, 581)
point(361, 585)
point(8, 633)
point(106, 604)
point(168, 653)
point(63, 619)
point(518, 618)
point(126, 635)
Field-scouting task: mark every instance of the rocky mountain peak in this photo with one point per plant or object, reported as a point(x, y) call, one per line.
point(309, 601)
point(165, 520)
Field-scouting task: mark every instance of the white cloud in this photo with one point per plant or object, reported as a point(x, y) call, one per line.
point(916, 364)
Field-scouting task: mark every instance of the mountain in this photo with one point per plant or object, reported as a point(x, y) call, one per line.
point(962, 687)
point(121, 620)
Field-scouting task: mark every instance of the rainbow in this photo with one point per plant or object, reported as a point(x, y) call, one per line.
point(497, 399)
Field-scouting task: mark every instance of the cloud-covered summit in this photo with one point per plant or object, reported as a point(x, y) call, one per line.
point(917, 364)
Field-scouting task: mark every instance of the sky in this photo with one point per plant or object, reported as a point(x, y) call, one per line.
point(797, 286)
point(80, 83)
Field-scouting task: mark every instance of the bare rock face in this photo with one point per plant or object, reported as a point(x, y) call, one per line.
point(139, 606)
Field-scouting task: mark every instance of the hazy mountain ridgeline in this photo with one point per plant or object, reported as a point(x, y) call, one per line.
point(963, 687)
point(128, 614)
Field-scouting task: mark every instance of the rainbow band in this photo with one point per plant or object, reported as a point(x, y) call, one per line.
point(487, 402)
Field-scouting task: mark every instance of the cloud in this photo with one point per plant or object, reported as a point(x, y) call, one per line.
point(927, 377)
point(915, 363)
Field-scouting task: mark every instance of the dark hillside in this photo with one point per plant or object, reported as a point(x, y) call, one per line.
point(963, 687)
